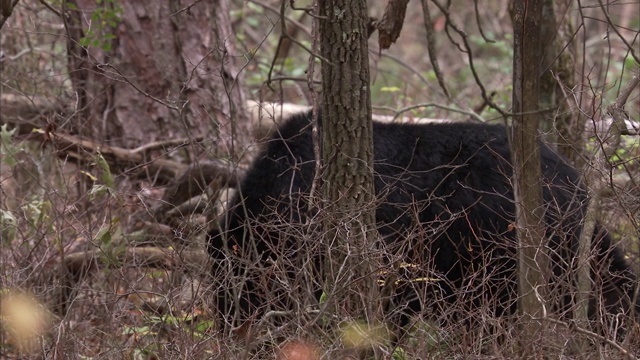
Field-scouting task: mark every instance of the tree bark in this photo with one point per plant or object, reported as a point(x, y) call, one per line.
point(347, 144)
point(565, 125)
point(525, 148)
point(164, 74)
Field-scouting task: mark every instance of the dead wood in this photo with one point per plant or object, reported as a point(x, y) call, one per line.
point(122, 160)
point(390, 26)
point(197, 179)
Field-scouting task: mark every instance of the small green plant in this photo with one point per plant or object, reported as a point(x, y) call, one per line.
point(8, 226)
point(105, 17)
point(399, 354)
point(37, 213)
point(8, 150)
point(157, 328)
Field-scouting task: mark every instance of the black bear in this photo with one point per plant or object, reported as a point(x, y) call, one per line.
point(445, 211)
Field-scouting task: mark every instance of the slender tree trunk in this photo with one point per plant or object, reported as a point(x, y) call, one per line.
point(558, 80)
point(348, 157)
point(532, 259)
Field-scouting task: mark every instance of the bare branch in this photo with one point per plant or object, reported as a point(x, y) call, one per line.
point(594, 335)
point(486, 95)
point(431, 48)
point(436, 105)
point(630, 47)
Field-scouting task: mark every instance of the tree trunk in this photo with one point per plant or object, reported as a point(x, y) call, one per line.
point(526, 15)
point(348, 157)
point(565, 124)
point(157, 72)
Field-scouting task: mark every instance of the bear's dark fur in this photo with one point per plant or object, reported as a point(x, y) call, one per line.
point(445, 211)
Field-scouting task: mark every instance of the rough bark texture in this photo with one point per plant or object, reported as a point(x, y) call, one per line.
point(348, 157)
point(166, 74)
point(565, 125)
point(558, 80)
point(526, 15)
point(390, 26)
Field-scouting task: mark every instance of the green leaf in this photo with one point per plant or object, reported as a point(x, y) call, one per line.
point(323, 298)
point(390, 89)
point(36, 211)
point(399, 354)
point(7, 149)
point(203, 326)
point(98, 190)
point(84, 41)
point(252, 21)
point(104, 235)
point(106, 177)
point(8, 226)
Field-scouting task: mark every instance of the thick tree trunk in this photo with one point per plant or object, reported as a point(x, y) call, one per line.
point(164, 75)
point(348, 156)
